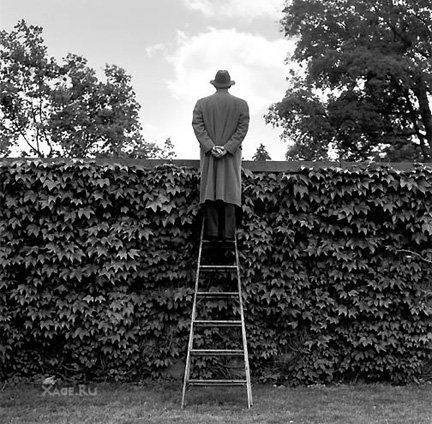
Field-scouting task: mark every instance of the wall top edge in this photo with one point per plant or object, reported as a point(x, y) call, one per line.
point(255, 166)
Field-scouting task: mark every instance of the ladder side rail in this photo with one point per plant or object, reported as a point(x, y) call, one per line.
point(193, 317)
point(243, 326)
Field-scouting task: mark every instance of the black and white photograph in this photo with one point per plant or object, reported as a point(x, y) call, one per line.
point(216, 211)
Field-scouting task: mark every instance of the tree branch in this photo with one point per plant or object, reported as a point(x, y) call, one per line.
point(42, 114)
point(415, 254)
point(25, 139)
point(420, 91)
point(413, 119)
point(32, 112)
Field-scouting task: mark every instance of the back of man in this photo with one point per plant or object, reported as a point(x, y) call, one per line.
point(221, 113)
point(220, 122)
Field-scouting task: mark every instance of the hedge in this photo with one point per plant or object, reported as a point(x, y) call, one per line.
point(97, 267)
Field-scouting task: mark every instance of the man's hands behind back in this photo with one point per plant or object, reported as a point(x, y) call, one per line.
point(218, 151)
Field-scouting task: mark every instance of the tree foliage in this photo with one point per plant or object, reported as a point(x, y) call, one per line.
point(97, 271)
point(261, 154)
point(362, 81)
point(62, 108)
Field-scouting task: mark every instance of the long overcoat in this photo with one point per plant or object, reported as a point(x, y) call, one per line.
point(222, 120)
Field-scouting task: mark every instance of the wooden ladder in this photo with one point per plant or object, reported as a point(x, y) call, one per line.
point(195, 322)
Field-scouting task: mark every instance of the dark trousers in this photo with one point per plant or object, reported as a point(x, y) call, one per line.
point(219, 220)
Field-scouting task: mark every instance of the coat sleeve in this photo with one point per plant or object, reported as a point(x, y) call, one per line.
point(200, 131)
point(240, 133)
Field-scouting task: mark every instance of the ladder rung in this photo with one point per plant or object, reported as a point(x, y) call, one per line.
point(219, 242)
point(214, 267)
point(217, 323)
point(216, 295)
point(196, 382)
point(217, 352)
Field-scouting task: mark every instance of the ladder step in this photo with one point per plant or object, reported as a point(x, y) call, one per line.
point(219, 243)
point(218, 240)
point(215, 267)
point(217, 323)
point(217, 352)
point(196, 382)
point(217, 295)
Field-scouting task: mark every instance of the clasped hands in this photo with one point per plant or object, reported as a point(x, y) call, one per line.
point(218, 151)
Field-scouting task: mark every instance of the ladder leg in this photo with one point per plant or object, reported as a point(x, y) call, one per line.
point(244, 340)
point(193, 317)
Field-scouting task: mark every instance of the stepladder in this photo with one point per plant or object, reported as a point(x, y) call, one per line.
point(217, 353)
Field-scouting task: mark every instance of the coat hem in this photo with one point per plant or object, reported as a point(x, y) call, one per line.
point(232, 201)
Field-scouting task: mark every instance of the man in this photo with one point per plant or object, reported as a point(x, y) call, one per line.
point(220, 123)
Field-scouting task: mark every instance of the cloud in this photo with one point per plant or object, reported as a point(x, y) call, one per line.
point(255, 63)
point(154, 49)
point(245, 9)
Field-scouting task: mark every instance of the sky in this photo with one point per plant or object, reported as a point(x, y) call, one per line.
point(172, 49)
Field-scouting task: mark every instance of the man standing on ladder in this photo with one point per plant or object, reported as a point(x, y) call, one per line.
point(220, 122)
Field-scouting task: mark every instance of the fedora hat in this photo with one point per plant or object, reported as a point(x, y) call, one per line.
point(222, 79)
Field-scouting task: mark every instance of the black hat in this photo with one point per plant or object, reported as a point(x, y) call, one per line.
point(222, 80)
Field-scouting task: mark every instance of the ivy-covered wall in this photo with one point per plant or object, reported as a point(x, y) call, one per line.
point(97, 267)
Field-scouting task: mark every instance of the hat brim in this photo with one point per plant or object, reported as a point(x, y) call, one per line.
point(222, 85)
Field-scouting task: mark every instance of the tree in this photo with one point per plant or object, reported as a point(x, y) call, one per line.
point(152, 150)
point(26, 75)
point(63, 109)
point(94, 118)
point(362, 83)
point(261, 154)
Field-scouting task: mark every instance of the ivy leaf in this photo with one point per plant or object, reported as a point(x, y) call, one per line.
point(50, 184)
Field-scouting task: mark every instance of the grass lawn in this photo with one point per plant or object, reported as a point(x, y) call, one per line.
point(160, 403)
